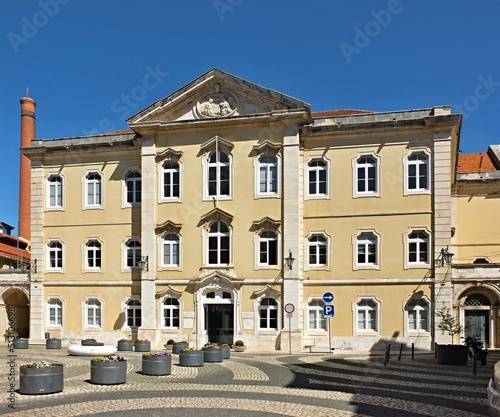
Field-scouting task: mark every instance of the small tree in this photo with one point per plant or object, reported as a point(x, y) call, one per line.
point(448, 323)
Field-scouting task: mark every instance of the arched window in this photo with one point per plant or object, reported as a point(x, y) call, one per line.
point(171, 180)
point(268, 314)
point(93, 313)
point(171, 313)
point(133, 184)
point(268, 248)
point(133, 253)
point(366, 315)
point(55, 252)
point(134, 313)
point(55, 191)
point(418, 315)
point(54, 307)
point(219, 175)
point(316, 318)
point(93, 254)
point(170, 250)
point(317, 246)
point(218, 244)
point(317, 177)
point(268, 175)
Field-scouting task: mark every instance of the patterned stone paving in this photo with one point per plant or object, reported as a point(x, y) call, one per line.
point(268, 384)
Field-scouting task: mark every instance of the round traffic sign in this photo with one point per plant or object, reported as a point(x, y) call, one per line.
point(289, 308)
point(328, 297)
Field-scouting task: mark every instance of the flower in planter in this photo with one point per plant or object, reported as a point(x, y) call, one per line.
point(125, 340)
point(157, 354)
point(212, 345)
point(39, 364)
point(239, 343)
point(109, 358)
point(188, 349)
point(53, 339)
point(142, 340)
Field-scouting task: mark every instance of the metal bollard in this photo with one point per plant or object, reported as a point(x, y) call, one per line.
point(387, 355)
point(413, 351)
point(400, 352)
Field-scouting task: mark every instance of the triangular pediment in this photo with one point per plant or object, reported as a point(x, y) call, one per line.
point(217, 95)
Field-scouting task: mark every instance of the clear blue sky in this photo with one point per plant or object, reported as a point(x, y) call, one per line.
point(81, 59)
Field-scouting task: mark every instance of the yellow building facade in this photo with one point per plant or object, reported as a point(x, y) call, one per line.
point(185, 226)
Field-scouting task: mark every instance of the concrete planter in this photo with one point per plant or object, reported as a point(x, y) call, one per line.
point(191, 358)
point(226, 352)
point(142, 346)
point(41, 380)
point(452, 354)
point(239, 348)
point(91, 342)
point(212, 354)
point(156, 365)
point(177, 347)
point(53, 343)
point(21, 343)
point(125, 345)
point(108, 373)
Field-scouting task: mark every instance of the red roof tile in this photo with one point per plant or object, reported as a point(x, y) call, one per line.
point(339, 113)
point(475, 162)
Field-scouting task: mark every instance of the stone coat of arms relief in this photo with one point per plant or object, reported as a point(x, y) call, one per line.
point(220, 103)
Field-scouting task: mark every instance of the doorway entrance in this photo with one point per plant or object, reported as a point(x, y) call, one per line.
point(477, 325)
point(219, 323)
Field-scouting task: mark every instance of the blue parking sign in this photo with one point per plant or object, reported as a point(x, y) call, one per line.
point(328, 311)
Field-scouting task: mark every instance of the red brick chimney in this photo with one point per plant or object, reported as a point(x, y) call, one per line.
point(28, 133)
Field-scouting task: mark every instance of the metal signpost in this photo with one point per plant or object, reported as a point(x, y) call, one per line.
point(289, 309)
point(329, 311)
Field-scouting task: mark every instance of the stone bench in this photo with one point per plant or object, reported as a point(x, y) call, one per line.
point(103, 350)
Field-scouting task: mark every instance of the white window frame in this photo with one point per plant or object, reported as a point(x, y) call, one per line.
point(406, 165)
point(206, 168)
point(378, 248)
point(267, 292)
point(219, 235)
point(258, 240)
point(176, 266)
point(48, 187)
point(407, 241)
point(59, 311)
point(406, 308)
point(170, 307)
point(161, 182)
point(355, 166)
point(308, 169)
point(48, 249)
point(85, 307)
point(134, 307)
point(268, 308)
point(86, 267)
point(308, 245)
point(85, 184)
point(136, 250)
point(318, 315)
point(378, 315)
point(125, 181)
point(257, 169)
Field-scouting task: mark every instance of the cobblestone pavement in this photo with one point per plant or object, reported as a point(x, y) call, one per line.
point(261, 384)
